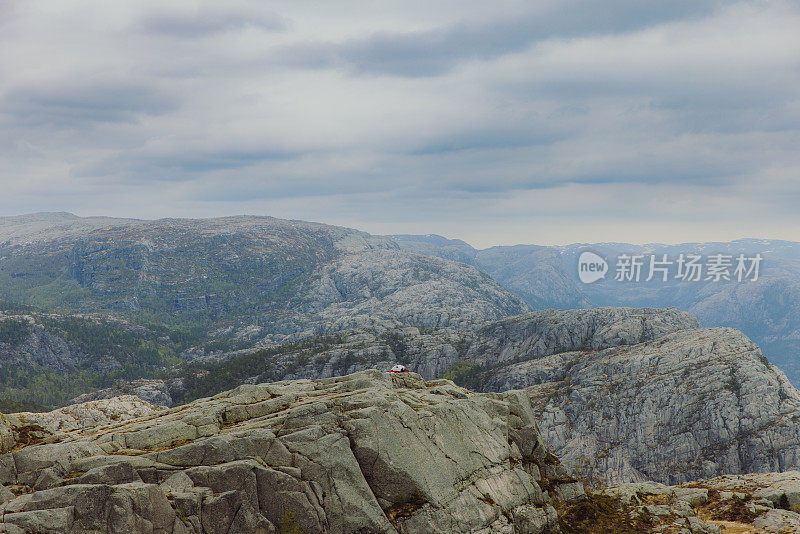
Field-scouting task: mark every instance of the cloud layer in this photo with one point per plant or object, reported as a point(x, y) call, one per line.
point(545, 122)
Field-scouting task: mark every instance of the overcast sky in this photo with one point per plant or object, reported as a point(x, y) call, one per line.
point(496, 122)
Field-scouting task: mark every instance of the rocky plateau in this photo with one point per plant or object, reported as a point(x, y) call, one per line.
point(369, 452)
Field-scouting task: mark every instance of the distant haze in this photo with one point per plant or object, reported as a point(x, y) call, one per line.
point(497, 123)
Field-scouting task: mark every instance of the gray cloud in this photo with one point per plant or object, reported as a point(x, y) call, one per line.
point(508, 136)
point(72, 104)
point(433, 52)
point(620, 120)
point(183, 166)
point(6, 12)
point(204, 21)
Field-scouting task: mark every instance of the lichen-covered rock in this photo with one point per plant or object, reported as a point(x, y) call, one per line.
point(88, 414)
point(6, 434)
point(369, 452)
point(778, 521)
point(782, 490)
point(668, 508)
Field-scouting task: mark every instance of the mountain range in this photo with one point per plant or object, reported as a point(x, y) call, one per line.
point(546, 277)
point(282, 277)
point(198, 290)
point(139, 330)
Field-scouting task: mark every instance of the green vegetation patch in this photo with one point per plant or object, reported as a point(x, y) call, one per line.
point(139, 352)
point(13, 406)
point(396, 342)
point(465, 373)
point(204, 380)
point(44, 387)
point(14, 331)
point(13, 307)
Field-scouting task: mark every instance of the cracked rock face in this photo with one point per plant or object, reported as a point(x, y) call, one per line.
point(368, 452)
point(356, 290)
point(541, 333)
point(88, 414)
point(689, 405)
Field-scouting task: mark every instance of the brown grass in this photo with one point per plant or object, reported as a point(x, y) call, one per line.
point(733, 509)
point(601, 514)
point(657, 499)
point(28, 435)
point(398, 512)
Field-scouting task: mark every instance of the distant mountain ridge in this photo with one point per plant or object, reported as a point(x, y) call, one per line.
point(767, 310)
point(283, 277)
point(180, 289)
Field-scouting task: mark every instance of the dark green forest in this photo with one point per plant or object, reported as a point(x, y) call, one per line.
point(203, 380)
point(108, 351)
point(112, 351)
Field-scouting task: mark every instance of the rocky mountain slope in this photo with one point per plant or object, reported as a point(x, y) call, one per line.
point(542, 333)
point(368, 452)
point(438, 246)
point(686, 405)
point(430, 352)
point(546, 277)
point(357, 290)
point(623, 394)
point(620, 394)
point(86, 303)
point(279, 277)
point(536, 273)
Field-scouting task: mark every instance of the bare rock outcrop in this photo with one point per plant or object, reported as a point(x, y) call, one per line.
point(689, 405)
point(368, 452)
point(541, 333)
point(88, 414)
point(358, 290)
